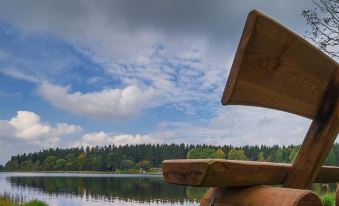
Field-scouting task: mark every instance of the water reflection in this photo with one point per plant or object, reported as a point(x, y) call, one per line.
point(109, 188)
point(92, 189)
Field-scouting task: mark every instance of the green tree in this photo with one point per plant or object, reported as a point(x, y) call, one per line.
point(60, 164)
point(70, 157)
point(49, 163)
point(127, 164)
point(277, 155)
point(109, 158)
point(71, 165)
point(36, 165)
point(81, 161)
point(201, 153)
point(113, 160)
point(98, 163)
point(26, 165)
point(13, 164)
point(235, 154)
point(293, 154)
point(261, 157)
point(145, 164)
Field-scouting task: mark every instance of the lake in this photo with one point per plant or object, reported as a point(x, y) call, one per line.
point(97, 189)
point(102, 189)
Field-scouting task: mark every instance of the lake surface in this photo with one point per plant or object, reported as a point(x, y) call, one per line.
point(97, 189)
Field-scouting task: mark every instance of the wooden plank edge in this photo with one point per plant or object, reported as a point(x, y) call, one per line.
point(213, 173)
point(240, 53)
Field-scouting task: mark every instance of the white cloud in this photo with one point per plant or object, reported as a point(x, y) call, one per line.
point(27, 126)
point(102, 138)
point(64, 128)
point(191, 66)
point(184, 59)
point(19, 74)
point(237, 126)
point(108, 103)
point(188, 68)
point(240, 126)
point(181, 77)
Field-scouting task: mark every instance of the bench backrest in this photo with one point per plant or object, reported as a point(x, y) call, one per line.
point(277, 69)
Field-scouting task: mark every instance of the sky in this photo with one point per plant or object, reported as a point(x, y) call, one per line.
point(86, 73)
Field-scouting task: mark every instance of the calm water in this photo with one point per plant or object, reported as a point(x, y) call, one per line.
point(97, 189)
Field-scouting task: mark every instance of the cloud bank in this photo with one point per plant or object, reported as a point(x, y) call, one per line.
point(165, 62)
point(27, 126)
point(108, 103)
point(102, 138)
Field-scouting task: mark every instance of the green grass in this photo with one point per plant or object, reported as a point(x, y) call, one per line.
point(328, 199)
point(35, 203)
point(10, 200)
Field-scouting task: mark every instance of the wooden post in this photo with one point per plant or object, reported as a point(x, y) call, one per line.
point(318, 141)
point(259, 196)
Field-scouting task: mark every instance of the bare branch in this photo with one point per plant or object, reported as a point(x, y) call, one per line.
point(324, 26)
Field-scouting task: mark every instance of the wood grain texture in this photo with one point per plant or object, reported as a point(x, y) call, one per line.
point(275, 68)
point(233, 173)
point(259, 196)
point(318, 141)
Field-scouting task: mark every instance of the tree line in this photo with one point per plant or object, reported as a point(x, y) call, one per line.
point(143, 157)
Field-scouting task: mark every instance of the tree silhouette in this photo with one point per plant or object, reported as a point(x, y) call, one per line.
point(324, 26)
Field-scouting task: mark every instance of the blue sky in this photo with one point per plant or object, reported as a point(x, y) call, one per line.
point(124, 72)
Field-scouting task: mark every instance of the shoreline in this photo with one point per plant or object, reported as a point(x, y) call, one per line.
point(83, 172)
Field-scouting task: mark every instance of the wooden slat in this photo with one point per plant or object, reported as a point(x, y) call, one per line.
point(233, 173)
point(275, 68)
point(318, 141)
point(259, 196)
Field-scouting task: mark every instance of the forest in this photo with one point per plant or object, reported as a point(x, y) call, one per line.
point(145, 157)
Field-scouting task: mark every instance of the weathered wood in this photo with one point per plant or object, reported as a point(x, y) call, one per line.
point(234, 173)
point(275, 68)
point(318, 141)
point(259, 196)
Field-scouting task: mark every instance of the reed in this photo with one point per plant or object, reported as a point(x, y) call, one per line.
point(7, 199)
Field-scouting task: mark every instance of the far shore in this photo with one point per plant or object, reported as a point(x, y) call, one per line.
point(84, 172)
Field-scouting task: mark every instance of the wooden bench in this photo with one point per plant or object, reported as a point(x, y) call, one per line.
point(273, 68)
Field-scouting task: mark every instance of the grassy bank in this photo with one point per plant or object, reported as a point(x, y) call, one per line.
point(10, 200)
point(328, 199)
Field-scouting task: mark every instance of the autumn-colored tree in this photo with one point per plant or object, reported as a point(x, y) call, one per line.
point(145, 164)
point(220, 154)
point(235, 154)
